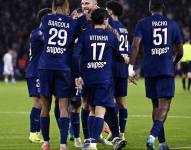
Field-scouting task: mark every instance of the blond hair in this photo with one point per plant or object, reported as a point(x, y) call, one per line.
point(64, 8)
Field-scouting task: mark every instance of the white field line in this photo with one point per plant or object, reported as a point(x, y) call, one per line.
point(188, 147)
point(131, 116)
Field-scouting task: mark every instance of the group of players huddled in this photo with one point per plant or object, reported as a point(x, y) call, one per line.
point(82, 60)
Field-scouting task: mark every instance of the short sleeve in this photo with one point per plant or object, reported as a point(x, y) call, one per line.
point(178, 39)
point(138, 30)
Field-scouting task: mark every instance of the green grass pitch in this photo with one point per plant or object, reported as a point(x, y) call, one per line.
point(15, 106)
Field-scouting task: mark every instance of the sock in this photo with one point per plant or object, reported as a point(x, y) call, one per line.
point(184, 83)
point(157, 128)
point(189, 83)
point(123, 114)
point(38, 126)
point(97, 129)
point(71, 130)
point(84, 117)
point(116, 108)
point(57, 112)
point(112, 121)
point(161, 136)
point(90, 123)
point(35, 120)
point(75, 123)
point(64, 126)
point(45, 125)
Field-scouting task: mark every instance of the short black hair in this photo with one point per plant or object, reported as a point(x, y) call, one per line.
point(58, 2)
point(99, 15)
point(156, 5)
point(115, 7)
point(43, 12)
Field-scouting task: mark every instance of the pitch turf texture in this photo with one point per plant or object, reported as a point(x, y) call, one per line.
point(15, 106)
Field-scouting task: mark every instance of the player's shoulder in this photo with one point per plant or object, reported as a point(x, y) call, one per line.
point(81, 18)
point(36, 32)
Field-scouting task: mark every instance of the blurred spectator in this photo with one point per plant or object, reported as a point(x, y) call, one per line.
point(8, 69)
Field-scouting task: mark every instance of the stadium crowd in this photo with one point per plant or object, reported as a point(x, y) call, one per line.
point(18, 19)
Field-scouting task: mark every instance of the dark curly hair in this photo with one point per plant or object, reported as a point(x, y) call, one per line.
point(115, 7)
point(99, 15)
point(156, 5)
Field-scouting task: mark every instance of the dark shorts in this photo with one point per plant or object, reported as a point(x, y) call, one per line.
point(33, 85)
point(120, 87)
point(100, 95)
point(185, 67)
point(55, 82)
point(159, 87)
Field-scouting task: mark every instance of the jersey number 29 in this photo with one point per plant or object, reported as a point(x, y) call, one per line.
point(60, 34)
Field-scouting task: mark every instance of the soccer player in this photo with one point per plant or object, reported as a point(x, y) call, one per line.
point(161, 39)
point(120, 70)
point(8, 68)
point(55, 63)
point(96, 47)
point(84, 23)
point(32, 76)
point(186, 65)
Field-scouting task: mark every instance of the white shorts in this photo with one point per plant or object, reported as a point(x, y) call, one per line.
point(8, 70)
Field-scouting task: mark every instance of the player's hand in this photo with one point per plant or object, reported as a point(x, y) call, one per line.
point(126, 58)
point(132, 76)
point(79, 83)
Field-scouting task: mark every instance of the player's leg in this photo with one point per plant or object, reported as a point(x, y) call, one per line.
point(165, 94)
point(183, 70)
point(33, 90)
point(120, 95)
point(75, 120)
point(123, 114)
point(97, 126)
point(189, 75)
point(35, 120)
point(45, 121)
point(151, 93)
point(84, 117)
point(63, 86)
point(6, 77)
point(12, 75)
point(163, 109)
point(57, 111)
point(46, 91)
point(64, 121)
point(161, 136)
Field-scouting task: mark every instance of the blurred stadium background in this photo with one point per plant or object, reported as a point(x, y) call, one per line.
point(18, 19)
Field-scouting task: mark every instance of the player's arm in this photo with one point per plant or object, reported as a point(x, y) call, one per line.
point(178, 51)
point(178, 44)
point(134, 51)
point(76, 63)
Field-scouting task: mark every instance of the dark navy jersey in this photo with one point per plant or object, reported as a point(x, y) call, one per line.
point(59, 33)
point(96, 48)
point(159, 35)
point(35, 49)
point(120, 69)
point(84, 24)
